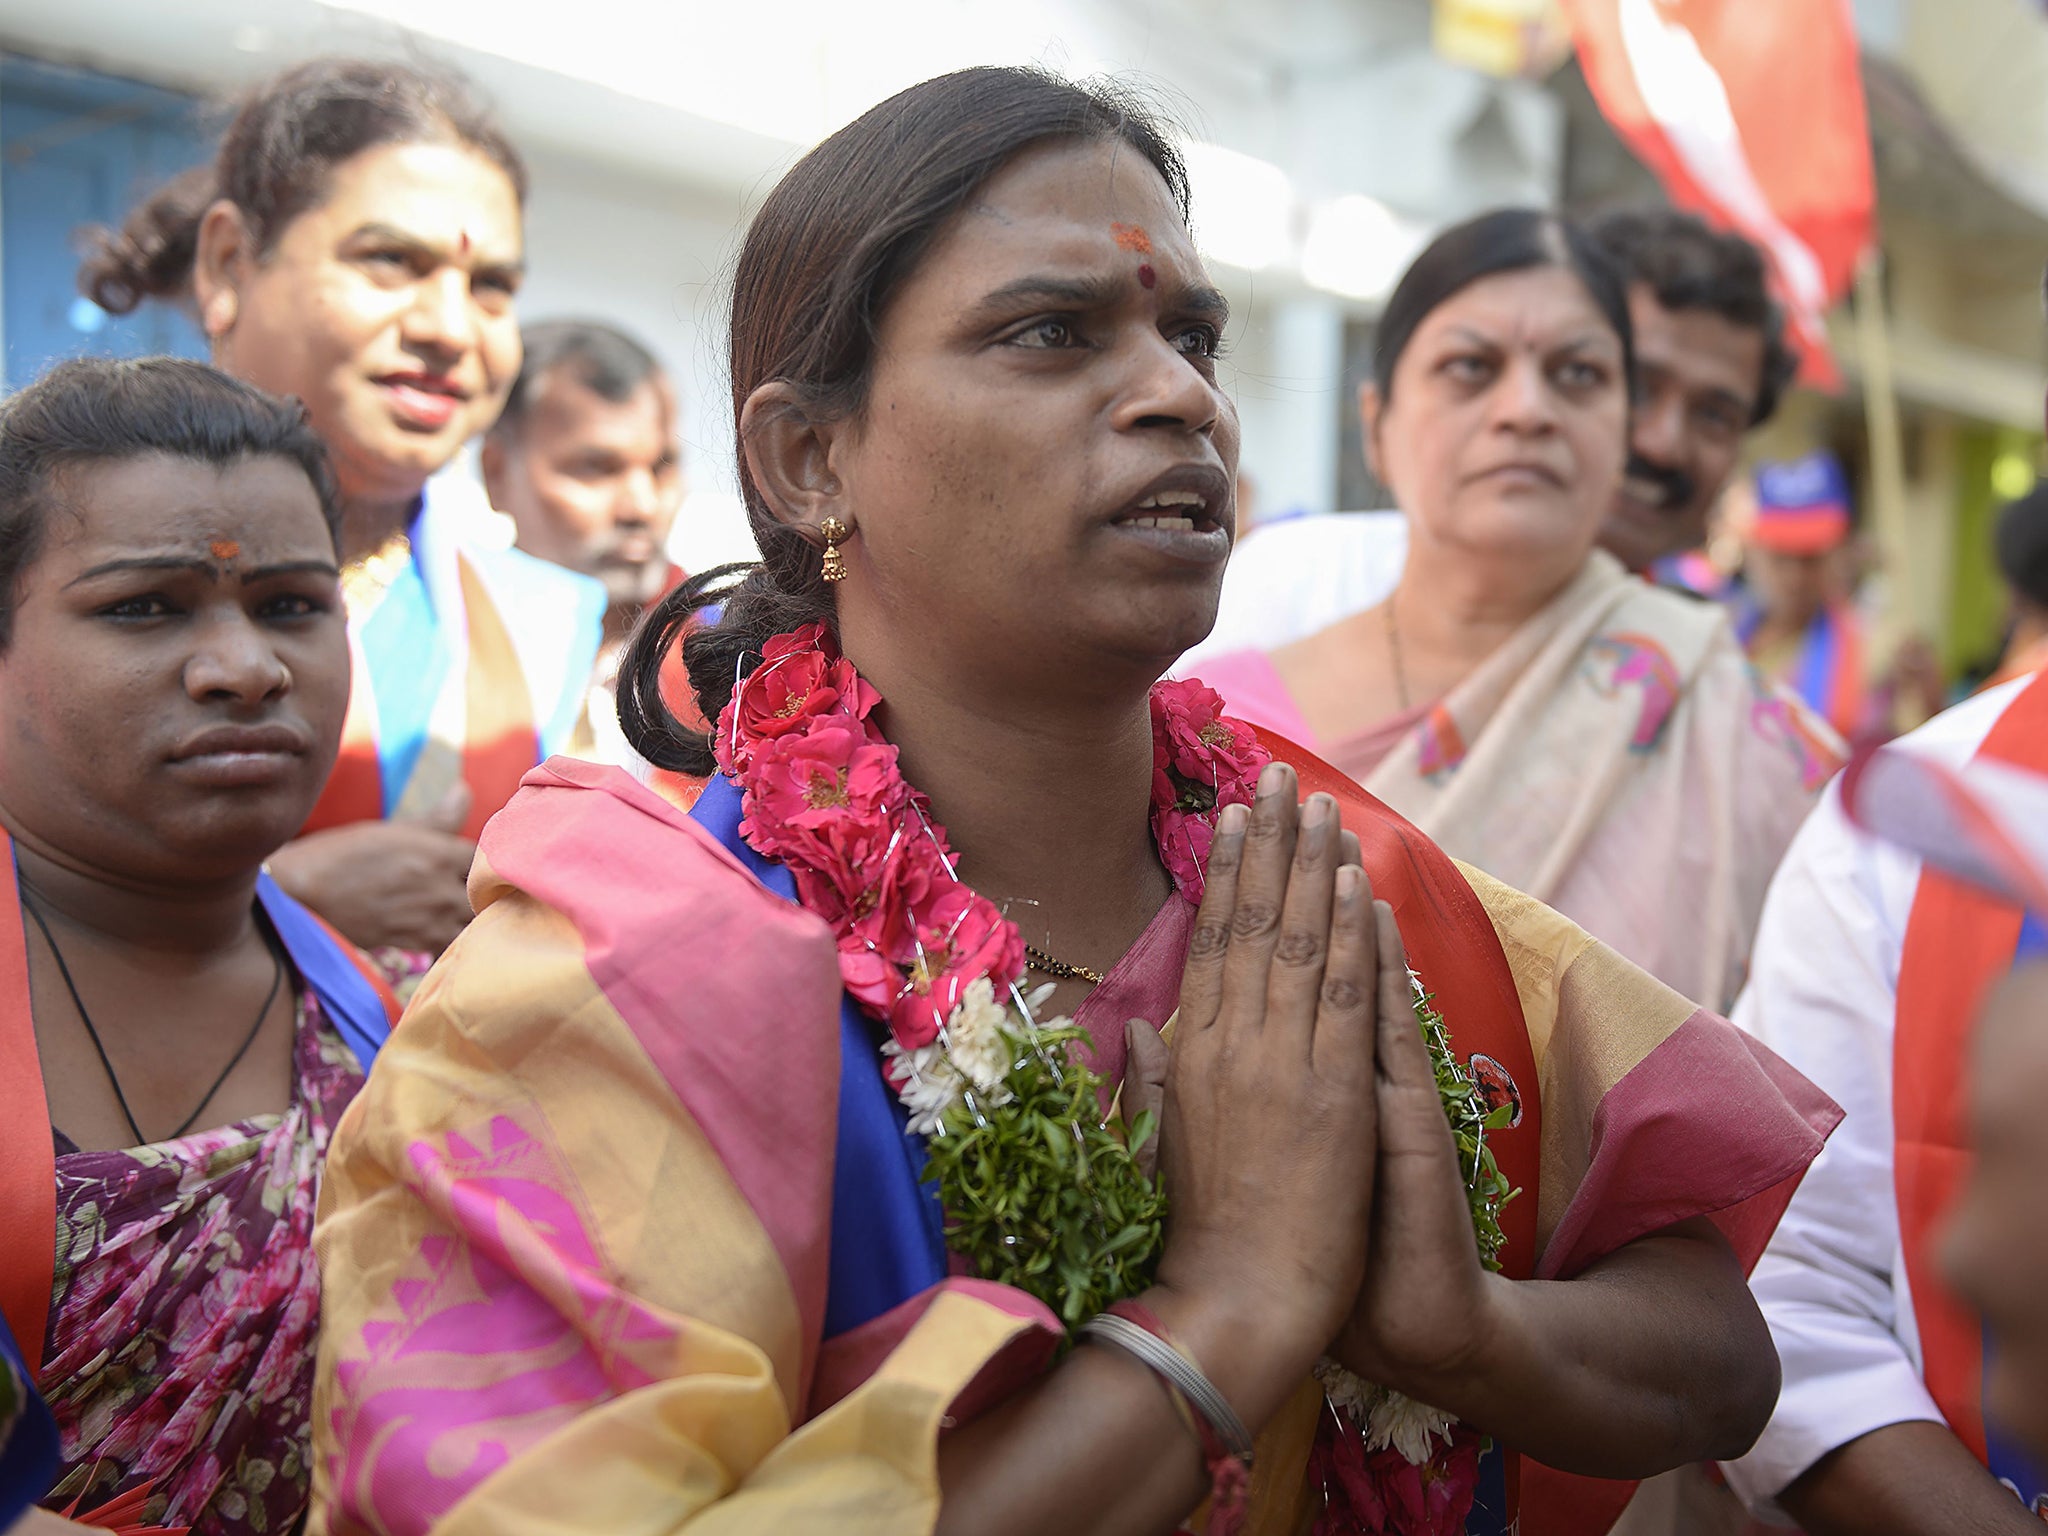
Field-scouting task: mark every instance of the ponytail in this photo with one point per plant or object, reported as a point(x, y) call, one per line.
point(757, 601)
point(150, 256)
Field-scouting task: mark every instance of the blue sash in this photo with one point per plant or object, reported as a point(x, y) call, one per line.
point(1813, 677)
point(407, 656)
point(352, 1005)
point(888, 1231)
point(28, 1436)
point(1818, 662)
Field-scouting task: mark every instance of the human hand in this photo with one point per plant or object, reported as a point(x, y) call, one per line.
point(402, 883)
point(1146, 1063)
point(1268, 1139)
point(1427, 1307)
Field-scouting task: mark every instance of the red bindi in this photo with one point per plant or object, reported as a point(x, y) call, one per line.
point(1131, 237)
point(465, 242)
point(224, 549)
point(1146, 276)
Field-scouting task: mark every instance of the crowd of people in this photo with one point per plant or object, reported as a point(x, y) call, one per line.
point(520, 1037)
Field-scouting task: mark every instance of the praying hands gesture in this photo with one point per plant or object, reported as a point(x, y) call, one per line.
point(1422, 1304)
point(1652, 1357)
point(1270, 1078)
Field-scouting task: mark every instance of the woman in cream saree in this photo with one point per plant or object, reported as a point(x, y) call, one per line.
point(1593, 741)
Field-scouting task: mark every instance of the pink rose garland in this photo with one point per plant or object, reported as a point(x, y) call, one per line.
point(824, 795)
point(1201, 761)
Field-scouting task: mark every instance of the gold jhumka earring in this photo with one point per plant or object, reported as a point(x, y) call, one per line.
point(836, 533)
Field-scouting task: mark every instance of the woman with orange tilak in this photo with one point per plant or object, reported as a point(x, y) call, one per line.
point(357, 243)
point(178, 1036)
point(706, 1185)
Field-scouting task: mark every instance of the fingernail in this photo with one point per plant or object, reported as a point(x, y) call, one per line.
point(1231, 822)
point(1273, 779)
point(1349, 878)
point(1317, 811)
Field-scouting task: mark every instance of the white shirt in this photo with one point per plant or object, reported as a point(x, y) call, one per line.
point(1822, 991)
point(1291, 578)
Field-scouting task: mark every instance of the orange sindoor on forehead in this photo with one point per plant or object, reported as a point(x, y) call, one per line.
point(225, 549)
point(1132, 238)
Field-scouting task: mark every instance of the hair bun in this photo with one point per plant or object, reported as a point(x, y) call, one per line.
point(150, 256)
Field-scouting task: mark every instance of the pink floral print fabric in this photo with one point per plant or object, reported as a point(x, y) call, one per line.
point(179, 1362)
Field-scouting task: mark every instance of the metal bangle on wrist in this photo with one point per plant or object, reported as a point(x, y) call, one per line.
point(1152, 1350)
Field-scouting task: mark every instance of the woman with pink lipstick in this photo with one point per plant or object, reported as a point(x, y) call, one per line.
point(357, 243)
point(177, 1035)
point(1587, 738)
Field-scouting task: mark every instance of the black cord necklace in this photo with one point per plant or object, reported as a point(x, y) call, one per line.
point(85, 1018)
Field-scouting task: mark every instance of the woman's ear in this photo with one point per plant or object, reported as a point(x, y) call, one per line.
point(1371, 406)
point(221, 260)
point(789, 455)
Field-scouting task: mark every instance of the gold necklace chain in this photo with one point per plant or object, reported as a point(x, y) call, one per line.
point(1394, 650)
point(364, 582)
point(1059, 970)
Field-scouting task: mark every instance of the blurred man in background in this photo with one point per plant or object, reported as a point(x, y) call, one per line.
point(1794, 615)
point(1711, 364)
point(587, 464)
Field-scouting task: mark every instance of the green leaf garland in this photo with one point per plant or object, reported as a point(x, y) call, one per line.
point(1040, 1194)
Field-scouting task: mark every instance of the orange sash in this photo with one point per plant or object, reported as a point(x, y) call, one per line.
point(1958, 943)
point(28, 1160)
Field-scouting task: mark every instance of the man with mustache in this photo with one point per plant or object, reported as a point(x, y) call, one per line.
point(585, 461)
point(1711, 364)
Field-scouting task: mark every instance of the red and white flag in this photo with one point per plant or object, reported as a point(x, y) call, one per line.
point(1751, 114)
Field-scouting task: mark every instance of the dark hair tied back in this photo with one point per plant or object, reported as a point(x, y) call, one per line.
point(830, 246)
point(275, 162)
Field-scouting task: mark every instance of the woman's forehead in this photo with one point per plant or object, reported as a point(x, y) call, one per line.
point(1093, 197)
point(436, 193)
point(265, 507)
point(1534, 305)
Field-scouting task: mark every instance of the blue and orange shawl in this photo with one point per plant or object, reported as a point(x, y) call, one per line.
point(470, 664)
point(1828, 673)
point(625, 1233)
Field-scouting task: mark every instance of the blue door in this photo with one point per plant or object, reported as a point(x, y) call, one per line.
point(77, 149)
